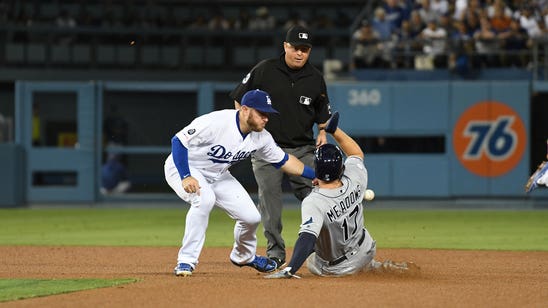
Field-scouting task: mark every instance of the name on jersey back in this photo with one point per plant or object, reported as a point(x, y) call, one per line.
point(345, 203)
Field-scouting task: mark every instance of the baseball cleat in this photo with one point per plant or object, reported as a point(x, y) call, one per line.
point(183, 269)
point(285, 273)
point(262, 264)
point(532, 183)
point(389, 266)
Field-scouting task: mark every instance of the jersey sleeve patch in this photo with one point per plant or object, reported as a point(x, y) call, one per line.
point(199, 130)
point(309, 221)
point(312, 216)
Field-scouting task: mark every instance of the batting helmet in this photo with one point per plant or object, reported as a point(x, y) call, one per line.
point(328, 161)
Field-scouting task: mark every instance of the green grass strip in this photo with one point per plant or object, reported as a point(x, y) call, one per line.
point(477, 230)
point(436, 229)
point(15, 289)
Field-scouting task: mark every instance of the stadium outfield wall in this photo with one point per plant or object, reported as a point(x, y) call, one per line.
point(481, 130)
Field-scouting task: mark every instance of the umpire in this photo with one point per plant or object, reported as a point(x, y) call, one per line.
point(299, 93)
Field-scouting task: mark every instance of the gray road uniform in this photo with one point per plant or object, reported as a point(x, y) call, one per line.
point(335, 217)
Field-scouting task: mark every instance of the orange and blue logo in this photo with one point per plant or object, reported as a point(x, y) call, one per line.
point(489, 139)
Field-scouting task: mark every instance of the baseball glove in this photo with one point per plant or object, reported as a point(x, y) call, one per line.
point(332, 123)
point(532, 182)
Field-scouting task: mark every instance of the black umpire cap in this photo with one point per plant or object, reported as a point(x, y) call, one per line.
point(299, 36)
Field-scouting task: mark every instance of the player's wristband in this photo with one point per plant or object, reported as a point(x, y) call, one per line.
point(308, 173)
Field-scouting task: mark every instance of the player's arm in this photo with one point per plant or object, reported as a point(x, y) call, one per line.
point(292, 165)
point(304, 246)
point(347, 144)
point(180, 158)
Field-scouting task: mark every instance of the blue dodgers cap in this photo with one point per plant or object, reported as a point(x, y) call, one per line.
point(259, 100)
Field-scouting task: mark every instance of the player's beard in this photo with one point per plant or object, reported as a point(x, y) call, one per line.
point(253, 125)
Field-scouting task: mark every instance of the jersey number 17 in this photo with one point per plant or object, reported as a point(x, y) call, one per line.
point(352, 216)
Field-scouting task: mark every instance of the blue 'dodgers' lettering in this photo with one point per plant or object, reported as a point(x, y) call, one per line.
point(219, 154)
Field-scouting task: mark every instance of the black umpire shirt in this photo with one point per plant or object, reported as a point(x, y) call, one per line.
point(299, 95)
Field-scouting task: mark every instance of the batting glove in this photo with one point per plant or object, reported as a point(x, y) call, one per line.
point(332, 123)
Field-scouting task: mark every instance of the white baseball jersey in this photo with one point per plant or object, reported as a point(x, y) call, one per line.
point(335, 216)
point(214, 144)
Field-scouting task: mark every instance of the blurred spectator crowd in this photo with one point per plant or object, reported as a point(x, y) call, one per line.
point(149, 14)
point(415, 34)
point(165, 33)
point(456, 34)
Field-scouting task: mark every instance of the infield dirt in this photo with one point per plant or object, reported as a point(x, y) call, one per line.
point(448, 278)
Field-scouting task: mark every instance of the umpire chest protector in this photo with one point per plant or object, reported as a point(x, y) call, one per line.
point(300, 96)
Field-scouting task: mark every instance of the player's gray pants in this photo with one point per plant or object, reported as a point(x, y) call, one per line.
point(269, 181)
point(355, 263)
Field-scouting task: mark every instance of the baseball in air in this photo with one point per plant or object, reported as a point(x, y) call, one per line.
point(369, 194)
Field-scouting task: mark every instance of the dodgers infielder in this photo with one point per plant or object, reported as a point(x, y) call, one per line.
point(197, 170)
point(332, 235)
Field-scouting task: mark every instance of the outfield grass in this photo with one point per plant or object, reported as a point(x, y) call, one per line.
point(437, 229)
point(14, 289)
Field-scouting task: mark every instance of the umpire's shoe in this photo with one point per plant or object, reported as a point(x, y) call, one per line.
point(262, 264)
point(279, 262)
point(183, 269)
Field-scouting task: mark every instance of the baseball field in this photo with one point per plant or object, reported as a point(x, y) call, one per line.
point(123, 257)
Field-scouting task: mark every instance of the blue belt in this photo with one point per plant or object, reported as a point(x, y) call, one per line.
point(340, 259)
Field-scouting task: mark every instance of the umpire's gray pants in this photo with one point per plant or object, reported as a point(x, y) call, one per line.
point(269, 181)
